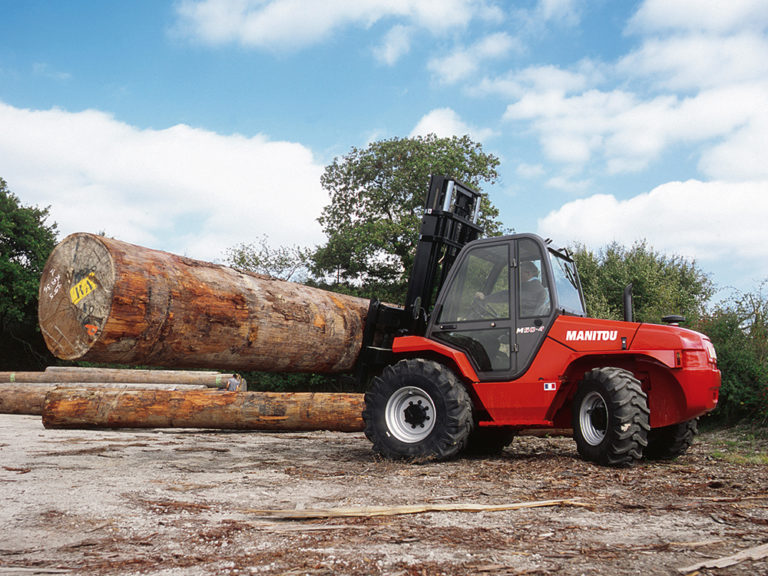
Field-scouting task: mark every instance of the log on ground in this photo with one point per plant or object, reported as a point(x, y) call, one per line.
point(84, 408)
point(29, 397)
point(103, 300)
point(61, 374)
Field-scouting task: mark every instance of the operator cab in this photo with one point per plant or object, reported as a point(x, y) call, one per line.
point(500, 299)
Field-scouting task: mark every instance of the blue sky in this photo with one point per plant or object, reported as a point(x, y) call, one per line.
point(194, 125)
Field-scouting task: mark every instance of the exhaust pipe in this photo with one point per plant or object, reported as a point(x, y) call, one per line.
point(628, 303)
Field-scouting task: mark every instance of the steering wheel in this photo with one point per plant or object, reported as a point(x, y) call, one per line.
point(483, 309)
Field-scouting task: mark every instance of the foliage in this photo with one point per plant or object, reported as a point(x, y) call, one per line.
point(25, 243)
point(661, 285)
point(738, 329)
point(298, 382)
point(377, 201)
point(284, 262)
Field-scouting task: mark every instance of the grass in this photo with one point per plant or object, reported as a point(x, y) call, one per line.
point(741, 445)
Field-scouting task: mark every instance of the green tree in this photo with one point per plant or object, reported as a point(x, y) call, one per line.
point(738, 328)
point(377, 201)
point(661, 284)
point(25, 243)
point(284, 262)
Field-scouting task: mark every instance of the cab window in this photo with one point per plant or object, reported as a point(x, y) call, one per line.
point(480, 291)
point(533, 285)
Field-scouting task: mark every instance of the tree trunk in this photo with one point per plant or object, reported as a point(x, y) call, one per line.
point(28, 397)
point(90, 408)
point(103, 300)
point(60, 374)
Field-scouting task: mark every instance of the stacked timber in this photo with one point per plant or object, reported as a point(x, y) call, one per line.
point(104, 300)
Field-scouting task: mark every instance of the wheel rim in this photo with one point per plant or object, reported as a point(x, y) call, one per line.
point(410, 414)
point(593, 418)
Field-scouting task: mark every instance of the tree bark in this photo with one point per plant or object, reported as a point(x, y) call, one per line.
point(29, 397)
point(90, 408)
point(60, 374)
point(104, 300)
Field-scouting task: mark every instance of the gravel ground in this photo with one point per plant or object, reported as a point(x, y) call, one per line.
point(193, 502)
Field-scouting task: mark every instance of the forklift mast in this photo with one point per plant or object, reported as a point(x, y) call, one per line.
point(450, 221)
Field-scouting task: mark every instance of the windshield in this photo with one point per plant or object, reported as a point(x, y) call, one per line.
point(567, 285)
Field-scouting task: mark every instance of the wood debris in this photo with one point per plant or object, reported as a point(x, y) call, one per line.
point(372, 511)
point(755, 553)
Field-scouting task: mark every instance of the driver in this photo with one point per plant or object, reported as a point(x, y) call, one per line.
point(533, 296)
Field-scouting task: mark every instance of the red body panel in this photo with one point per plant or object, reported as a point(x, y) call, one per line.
point(676, 366)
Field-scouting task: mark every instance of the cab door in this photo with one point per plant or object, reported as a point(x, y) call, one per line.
point(474, 312)
point(533, 300)
point(493, 308)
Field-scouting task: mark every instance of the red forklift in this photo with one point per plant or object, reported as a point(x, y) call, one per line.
point(507, 346)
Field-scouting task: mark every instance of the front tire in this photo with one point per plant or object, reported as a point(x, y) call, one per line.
point(610, 417)
point(417, 409)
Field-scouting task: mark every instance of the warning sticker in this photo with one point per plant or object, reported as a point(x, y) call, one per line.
point(82, 288)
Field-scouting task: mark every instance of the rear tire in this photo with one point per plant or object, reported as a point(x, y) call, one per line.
point(610, 417)
point(417, 409)
point(671, 441)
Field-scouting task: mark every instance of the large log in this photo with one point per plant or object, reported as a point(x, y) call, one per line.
point(104, 300)
point(29, 397)
point(90, 408)
point(61, 374)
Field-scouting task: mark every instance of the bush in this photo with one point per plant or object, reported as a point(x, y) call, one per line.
point(661, 284)
point(738, 329)
point(26, 240)
point(289, 382)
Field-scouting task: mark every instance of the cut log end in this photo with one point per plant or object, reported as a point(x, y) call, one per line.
point(75, 296)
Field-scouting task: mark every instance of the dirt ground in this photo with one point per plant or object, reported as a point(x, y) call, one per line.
point(187, 502)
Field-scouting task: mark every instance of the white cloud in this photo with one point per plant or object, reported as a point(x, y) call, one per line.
point(445, 122)
point(292, 24)
point(712, 222)
point(696, 83)
point(700, 15)
point(697, 61)
point(566, 11)
point(546, 79)
point(179, 189)
point(627, 132)
point(530, 171)
point(396, 44)
point(463, 62)
point(742, 155)
point(566, 184)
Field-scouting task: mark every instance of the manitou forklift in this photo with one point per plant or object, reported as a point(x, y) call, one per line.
point(508, 346)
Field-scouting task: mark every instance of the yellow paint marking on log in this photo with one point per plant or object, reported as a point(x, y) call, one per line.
point(82, 288)
point(339, 304)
